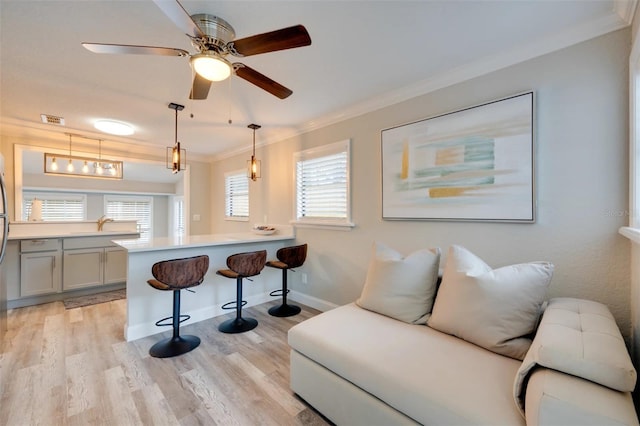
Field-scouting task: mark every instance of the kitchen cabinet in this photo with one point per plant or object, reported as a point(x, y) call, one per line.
point(40, 267)
point(92, 261)
point(45, 268)
point(115, 265)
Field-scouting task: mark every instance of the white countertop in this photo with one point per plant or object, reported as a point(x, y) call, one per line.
point(64, 234)
point(170, 243)
point(69, 229)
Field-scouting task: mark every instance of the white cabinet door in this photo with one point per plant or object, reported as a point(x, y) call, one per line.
point(82, 268)
point(115, 265)
point(39, 273)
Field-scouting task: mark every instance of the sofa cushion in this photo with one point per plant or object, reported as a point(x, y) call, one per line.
point(429, 376)
point(579, 337)
point(401, 287)
point(494, 308)
point(561, 399)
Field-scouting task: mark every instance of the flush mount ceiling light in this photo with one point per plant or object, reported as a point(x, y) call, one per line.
point(253, 165)
point(78, 166)
point(211, 66)
point(176, 157)
point(114, 127)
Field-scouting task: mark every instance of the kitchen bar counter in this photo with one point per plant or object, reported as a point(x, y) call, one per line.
point(191, 241)
point(146, 305)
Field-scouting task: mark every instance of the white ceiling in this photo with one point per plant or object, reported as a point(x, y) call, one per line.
point(364, 55)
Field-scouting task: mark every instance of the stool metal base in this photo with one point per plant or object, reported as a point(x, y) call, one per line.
point(238, 325)
point(174, 346)
point(285, 310)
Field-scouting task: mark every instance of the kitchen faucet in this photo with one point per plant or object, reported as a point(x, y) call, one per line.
point(104, 219)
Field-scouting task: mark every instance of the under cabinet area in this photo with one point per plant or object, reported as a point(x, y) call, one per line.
point(40, 267)
point(92, 261)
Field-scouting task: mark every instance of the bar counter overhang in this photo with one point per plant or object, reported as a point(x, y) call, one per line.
point(146, 305)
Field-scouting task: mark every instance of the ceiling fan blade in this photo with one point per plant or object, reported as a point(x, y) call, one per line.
point(286, 38)
point(135, 50)
point(174, 11)
point(261, 80)
point(200, 89)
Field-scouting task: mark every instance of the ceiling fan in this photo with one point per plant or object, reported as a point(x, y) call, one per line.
point(213, 37)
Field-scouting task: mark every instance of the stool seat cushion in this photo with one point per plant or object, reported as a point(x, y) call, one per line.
point(277, 264)
point(228, 273)
point(158, 285)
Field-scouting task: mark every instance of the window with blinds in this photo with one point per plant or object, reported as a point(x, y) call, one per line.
point(56, 206)
point(322, 185)
point(122, 207)
point(236, 195)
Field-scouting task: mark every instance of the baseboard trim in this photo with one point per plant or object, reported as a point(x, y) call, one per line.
point(312, 302)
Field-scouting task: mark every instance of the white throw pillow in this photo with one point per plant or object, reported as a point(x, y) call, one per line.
point(401, 287)
point(497, 309)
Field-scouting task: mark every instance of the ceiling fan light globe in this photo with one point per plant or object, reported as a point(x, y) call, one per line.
point(210, 66)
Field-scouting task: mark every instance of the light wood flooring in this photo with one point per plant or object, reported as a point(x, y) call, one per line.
point(73, 367)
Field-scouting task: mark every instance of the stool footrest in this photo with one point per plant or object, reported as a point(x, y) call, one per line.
point(183, 318)
point(233, 304)
point(278, 292)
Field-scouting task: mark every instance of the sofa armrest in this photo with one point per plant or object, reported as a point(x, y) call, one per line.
point(580, 338)
point(555, 398)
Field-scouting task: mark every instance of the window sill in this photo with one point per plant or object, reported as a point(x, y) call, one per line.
point(236, 219)
point(631, 233)
point(320, 224)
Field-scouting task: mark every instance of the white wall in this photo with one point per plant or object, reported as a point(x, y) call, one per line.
point(582, 181)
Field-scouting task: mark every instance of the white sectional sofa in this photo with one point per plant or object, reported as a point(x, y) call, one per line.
point(360, 367)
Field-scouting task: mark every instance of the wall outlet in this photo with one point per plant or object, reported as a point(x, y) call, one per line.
point(196, 218)
point(304, 278)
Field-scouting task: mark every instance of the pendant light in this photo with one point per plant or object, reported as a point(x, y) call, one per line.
point(253, 165)
point(79, 166)
point(176, 157)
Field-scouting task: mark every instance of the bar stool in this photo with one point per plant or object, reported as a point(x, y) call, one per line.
point(175, 275)
point(241, 265)
point(288, 258)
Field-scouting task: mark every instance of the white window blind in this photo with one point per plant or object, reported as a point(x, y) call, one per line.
point(322, 185)
point(236, 194)
point(120, 207)
point(178, 216)
point(56, 206)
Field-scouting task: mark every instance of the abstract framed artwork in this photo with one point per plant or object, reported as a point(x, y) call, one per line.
point(475, 164)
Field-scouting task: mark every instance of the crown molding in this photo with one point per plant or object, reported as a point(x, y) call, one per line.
point(620, 17)
point(472, 70)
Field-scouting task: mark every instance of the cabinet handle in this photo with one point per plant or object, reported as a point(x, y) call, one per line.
point(38, 241)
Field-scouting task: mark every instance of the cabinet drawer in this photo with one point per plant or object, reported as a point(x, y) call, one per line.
point(44, 244)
